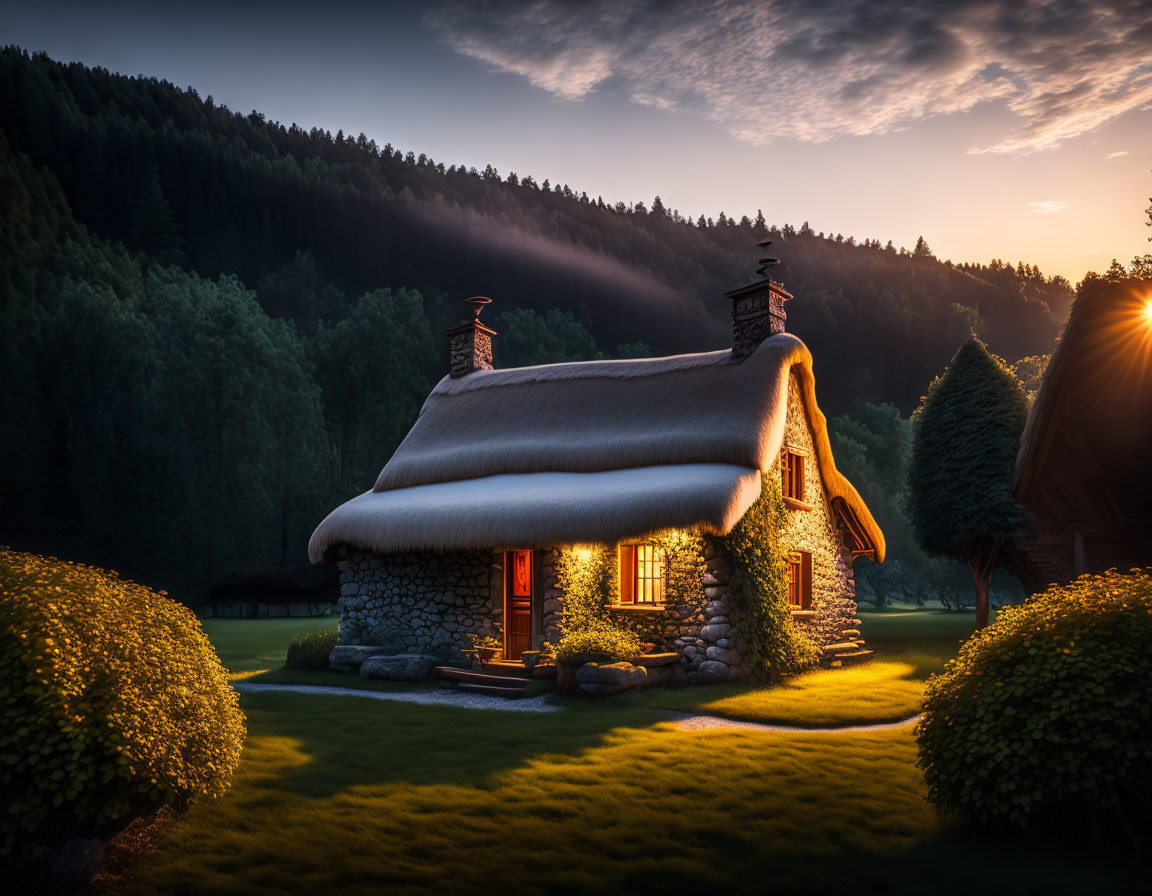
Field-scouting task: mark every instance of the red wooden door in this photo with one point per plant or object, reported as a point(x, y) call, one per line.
point(517, 603)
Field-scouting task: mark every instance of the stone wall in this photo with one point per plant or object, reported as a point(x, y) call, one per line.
point(833, 607)
point(419, 602)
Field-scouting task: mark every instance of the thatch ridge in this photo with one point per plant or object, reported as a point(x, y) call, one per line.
point(676, 417)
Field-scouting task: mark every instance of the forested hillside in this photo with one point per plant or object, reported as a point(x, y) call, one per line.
point(217, 327)
point(189, 182)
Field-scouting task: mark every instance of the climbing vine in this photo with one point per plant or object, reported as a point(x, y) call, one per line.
point(773, 642)
point(587, 577)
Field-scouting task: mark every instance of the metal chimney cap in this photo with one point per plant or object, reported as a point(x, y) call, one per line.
point(766, 263)
point(477, 304)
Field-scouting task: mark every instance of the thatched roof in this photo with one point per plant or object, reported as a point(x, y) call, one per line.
point(594, 451)
point(1082, 468)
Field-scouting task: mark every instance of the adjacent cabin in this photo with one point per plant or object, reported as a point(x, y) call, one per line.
point(1083, 467)
point(506, 470)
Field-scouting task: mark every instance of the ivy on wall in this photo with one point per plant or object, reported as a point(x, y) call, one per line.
point(769, 638)
point(683, 554)
point(587, 576)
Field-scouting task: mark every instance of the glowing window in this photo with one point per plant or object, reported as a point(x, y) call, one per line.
point(521, 573)
point(641, 574)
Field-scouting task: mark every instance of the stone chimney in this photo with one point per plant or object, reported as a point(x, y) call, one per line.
point(470, 344)
point(757, 310)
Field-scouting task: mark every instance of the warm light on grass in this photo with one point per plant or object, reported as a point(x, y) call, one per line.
point(353, 796)
point(347, 795)
point(872, 693)
point(909, 647)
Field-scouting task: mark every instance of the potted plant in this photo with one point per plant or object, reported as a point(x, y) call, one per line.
point(486, 646)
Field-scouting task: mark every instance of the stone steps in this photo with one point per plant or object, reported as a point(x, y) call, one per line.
point(848, 652)
point(854, 658)
point(843, 647)
point(505, 684)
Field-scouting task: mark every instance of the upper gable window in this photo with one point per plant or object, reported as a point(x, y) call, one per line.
point(792, 463)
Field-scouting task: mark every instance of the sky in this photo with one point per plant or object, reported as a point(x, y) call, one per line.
point(1014, 129)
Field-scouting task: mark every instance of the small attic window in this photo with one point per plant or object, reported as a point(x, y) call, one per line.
point(792, 462)
point(641, 574)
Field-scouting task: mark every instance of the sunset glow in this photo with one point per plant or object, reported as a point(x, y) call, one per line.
point(951, 123)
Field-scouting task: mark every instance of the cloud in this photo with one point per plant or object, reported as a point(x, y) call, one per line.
point(1049, 206)
point(814, 70)
point(1117, 155)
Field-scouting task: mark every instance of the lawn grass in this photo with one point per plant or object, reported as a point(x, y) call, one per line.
point(258, 645)
point(253, 650)
point(909, 646)
point(353, 796)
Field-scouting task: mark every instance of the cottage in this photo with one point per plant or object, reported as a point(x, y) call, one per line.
point(510, 476)
point(1082, 470)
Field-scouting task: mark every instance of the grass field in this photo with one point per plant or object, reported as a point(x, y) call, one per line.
point(353, 796)
point(909, 646)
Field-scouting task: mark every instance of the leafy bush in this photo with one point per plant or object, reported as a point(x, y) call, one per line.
point(310, 650)
point(588, 578)
point(773, 643)
point(1043, 718)
point(112, 704)
point(601, 636)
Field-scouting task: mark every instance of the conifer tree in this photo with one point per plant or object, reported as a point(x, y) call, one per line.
point(154, 229)
point(965, 436)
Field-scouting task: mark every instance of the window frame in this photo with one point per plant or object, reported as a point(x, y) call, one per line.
point(798, 579)
point(793, 475)
point(631, 556)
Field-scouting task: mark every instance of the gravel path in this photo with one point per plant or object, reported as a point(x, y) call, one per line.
point(695, 722)
point(442, 697)
point(687, 720)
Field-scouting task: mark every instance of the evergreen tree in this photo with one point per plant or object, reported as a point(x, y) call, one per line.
point(965, 436)
point(154, 228)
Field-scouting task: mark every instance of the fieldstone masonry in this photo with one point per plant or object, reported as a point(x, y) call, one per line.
point(419, 603)
point(833, 607)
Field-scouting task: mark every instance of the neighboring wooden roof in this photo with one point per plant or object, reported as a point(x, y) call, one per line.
point(590, 451)
point(1083, 470)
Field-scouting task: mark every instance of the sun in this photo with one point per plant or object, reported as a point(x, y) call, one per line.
point(1148, 312)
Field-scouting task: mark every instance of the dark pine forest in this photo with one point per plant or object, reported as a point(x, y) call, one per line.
point(216, 327)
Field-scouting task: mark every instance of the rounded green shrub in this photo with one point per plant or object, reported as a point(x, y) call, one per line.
point(311, 650)
point(1044, 718)
point(112, 704)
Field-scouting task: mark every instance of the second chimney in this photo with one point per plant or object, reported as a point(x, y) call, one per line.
point(757, 310)
point(470, 344)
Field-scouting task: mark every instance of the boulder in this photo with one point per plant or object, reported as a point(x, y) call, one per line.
point(723, 655)
point(716, 631)
point(712, 672)
point(348, 657)
point(610, 678)
point(402, 667)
